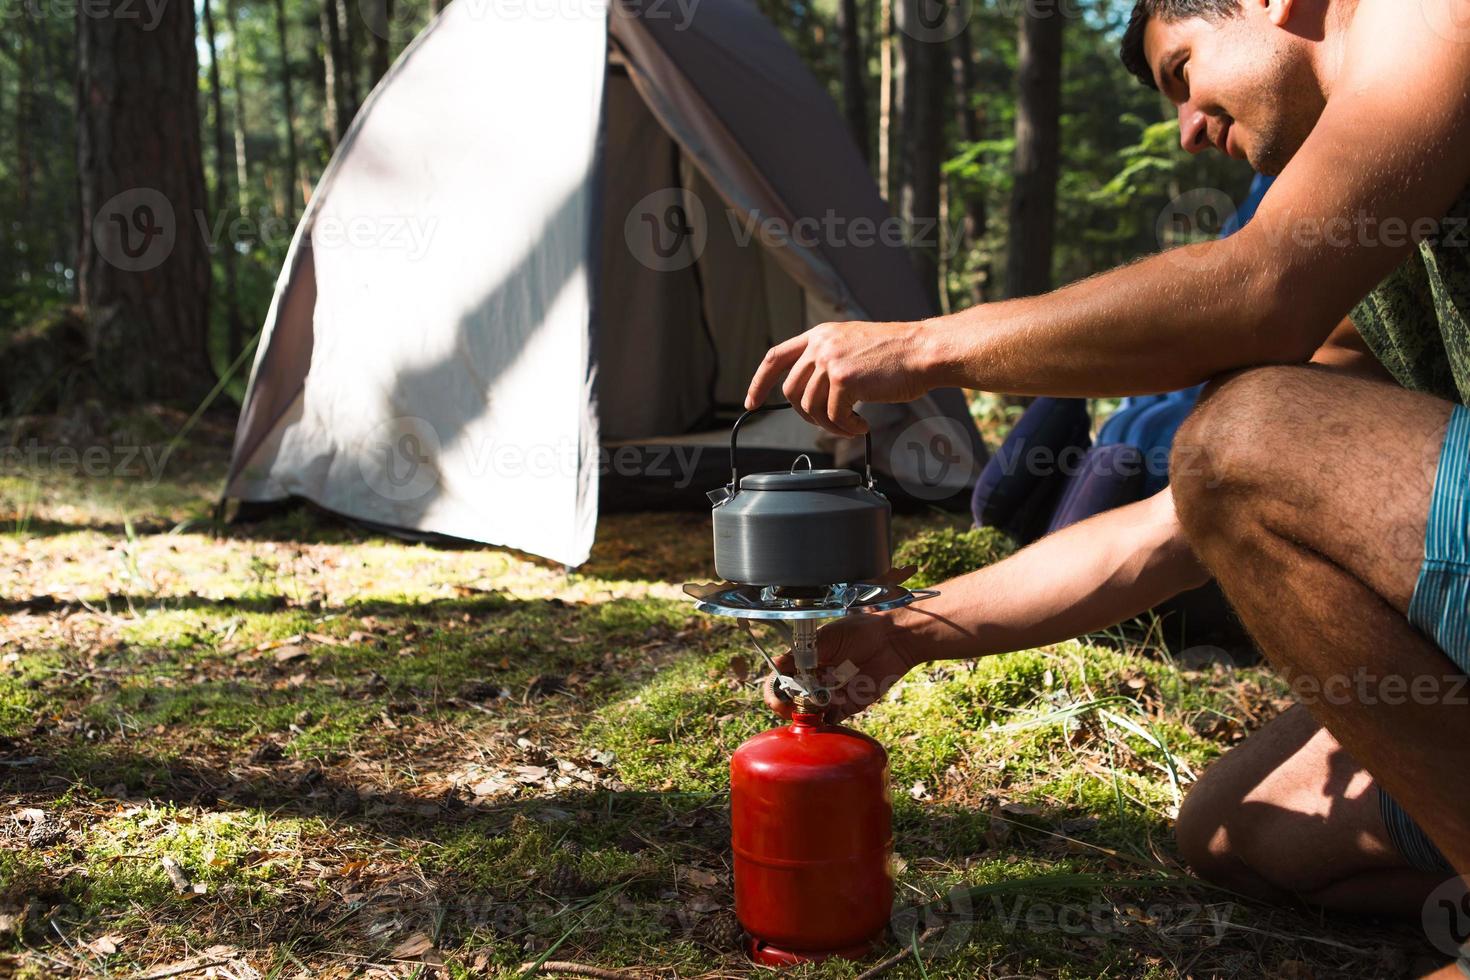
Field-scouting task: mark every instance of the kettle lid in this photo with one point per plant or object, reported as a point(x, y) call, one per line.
point(801, 480)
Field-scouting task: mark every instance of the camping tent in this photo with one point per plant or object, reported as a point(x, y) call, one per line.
point(542, 267)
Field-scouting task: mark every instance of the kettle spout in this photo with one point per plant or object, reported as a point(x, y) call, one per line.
point(719, 496)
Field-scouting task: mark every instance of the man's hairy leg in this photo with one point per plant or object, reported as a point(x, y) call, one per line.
point(1289, 815)
point(1307, 495)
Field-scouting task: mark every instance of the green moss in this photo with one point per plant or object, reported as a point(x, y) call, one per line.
point(236, 856)
point(946, 553)
point(23, 698)
point(679, 730)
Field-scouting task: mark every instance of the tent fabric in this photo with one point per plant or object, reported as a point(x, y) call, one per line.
point(399, 238)
point(461, 331)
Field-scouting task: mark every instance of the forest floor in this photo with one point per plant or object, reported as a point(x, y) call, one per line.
point(300, 749)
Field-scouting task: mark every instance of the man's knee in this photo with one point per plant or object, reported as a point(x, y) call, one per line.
point(1205, 837)
point(1233, 844)
point(1245, 431)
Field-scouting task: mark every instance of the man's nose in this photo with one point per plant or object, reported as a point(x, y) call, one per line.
point(1194, 129)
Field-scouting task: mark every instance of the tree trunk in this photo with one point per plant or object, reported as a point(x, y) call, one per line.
point(854, 74)
point(967, 123)
point(347, 30)
point(332, 73)
point(25, 115)
point(921, 107)
point(381, 26)
point(885, 99)
point(288, 108)
point(1038, 147)
point(242, 159)
point(223, 206)
point(144, 267)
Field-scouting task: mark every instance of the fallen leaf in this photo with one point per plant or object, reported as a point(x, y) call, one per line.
point(531, 774)
point(105, 945)
point(698, 878)
point(491, 786)
point(412, 948)
point(288, 653)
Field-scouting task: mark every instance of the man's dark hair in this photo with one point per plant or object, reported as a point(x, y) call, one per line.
point(1166, 10)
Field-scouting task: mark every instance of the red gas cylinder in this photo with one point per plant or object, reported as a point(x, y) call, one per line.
point(811, 828)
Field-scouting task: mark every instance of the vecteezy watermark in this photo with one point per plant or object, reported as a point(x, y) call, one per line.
point(403, 459)
point(145, 463)
point(1365, 687)
point(147, 13)
point(1447, 18)
point(135, 231)
point(1201, 214)
point(938, 928)
point(1446, 918)
point(1100, 917)
point(399, 458)
point(833, 230)
point(932, 21)
point(388, 20)
point(1044, 461)
point(667, 230)
point(933, 458)
point(1196, 216)
point(941, 927)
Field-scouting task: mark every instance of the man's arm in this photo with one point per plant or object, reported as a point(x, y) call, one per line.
point(1387, 158)
point(1091, 575)
point(1084, 578)
point(1346, 352)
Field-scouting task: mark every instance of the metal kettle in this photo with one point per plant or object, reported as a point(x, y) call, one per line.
point(803, 527)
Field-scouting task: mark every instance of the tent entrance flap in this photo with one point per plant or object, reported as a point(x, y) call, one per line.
point(688, 299)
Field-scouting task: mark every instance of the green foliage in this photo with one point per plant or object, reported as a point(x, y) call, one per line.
point(946, 553)
point(678, 731)
point(1121, 160)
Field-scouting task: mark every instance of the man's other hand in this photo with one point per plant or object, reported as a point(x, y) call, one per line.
point(833, 366)
point(859, 657)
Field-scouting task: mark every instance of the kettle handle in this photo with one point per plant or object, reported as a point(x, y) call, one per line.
point(735, 434)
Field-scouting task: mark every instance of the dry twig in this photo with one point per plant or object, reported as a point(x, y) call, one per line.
point(882, 967)
point(571, 969)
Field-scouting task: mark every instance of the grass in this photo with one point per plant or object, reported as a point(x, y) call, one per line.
point(300, 748)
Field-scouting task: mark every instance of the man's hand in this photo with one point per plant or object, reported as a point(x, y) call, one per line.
point(833, 366)
point(860, 658)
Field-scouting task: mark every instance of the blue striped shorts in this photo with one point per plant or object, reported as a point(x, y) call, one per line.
point(1440, 607)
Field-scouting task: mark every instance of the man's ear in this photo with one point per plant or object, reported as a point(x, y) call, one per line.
point(1279, 11)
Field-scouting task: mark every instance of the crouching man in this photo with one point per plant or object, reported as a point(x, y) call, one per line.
point(1324, 480)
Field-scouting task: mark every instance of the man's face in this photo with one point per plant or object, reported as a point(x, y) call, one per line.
point(1243, 84)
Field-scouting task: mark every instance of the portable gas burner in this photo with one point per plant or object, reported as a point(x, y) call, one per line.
point(811, 821)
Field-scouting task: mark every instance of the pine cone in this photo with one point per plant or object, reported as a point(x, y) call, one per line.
point(720, 931)
point(566, 881)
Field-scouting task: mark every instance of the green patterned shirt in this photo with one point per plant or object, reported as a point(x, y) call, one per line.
point(1415, 321)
